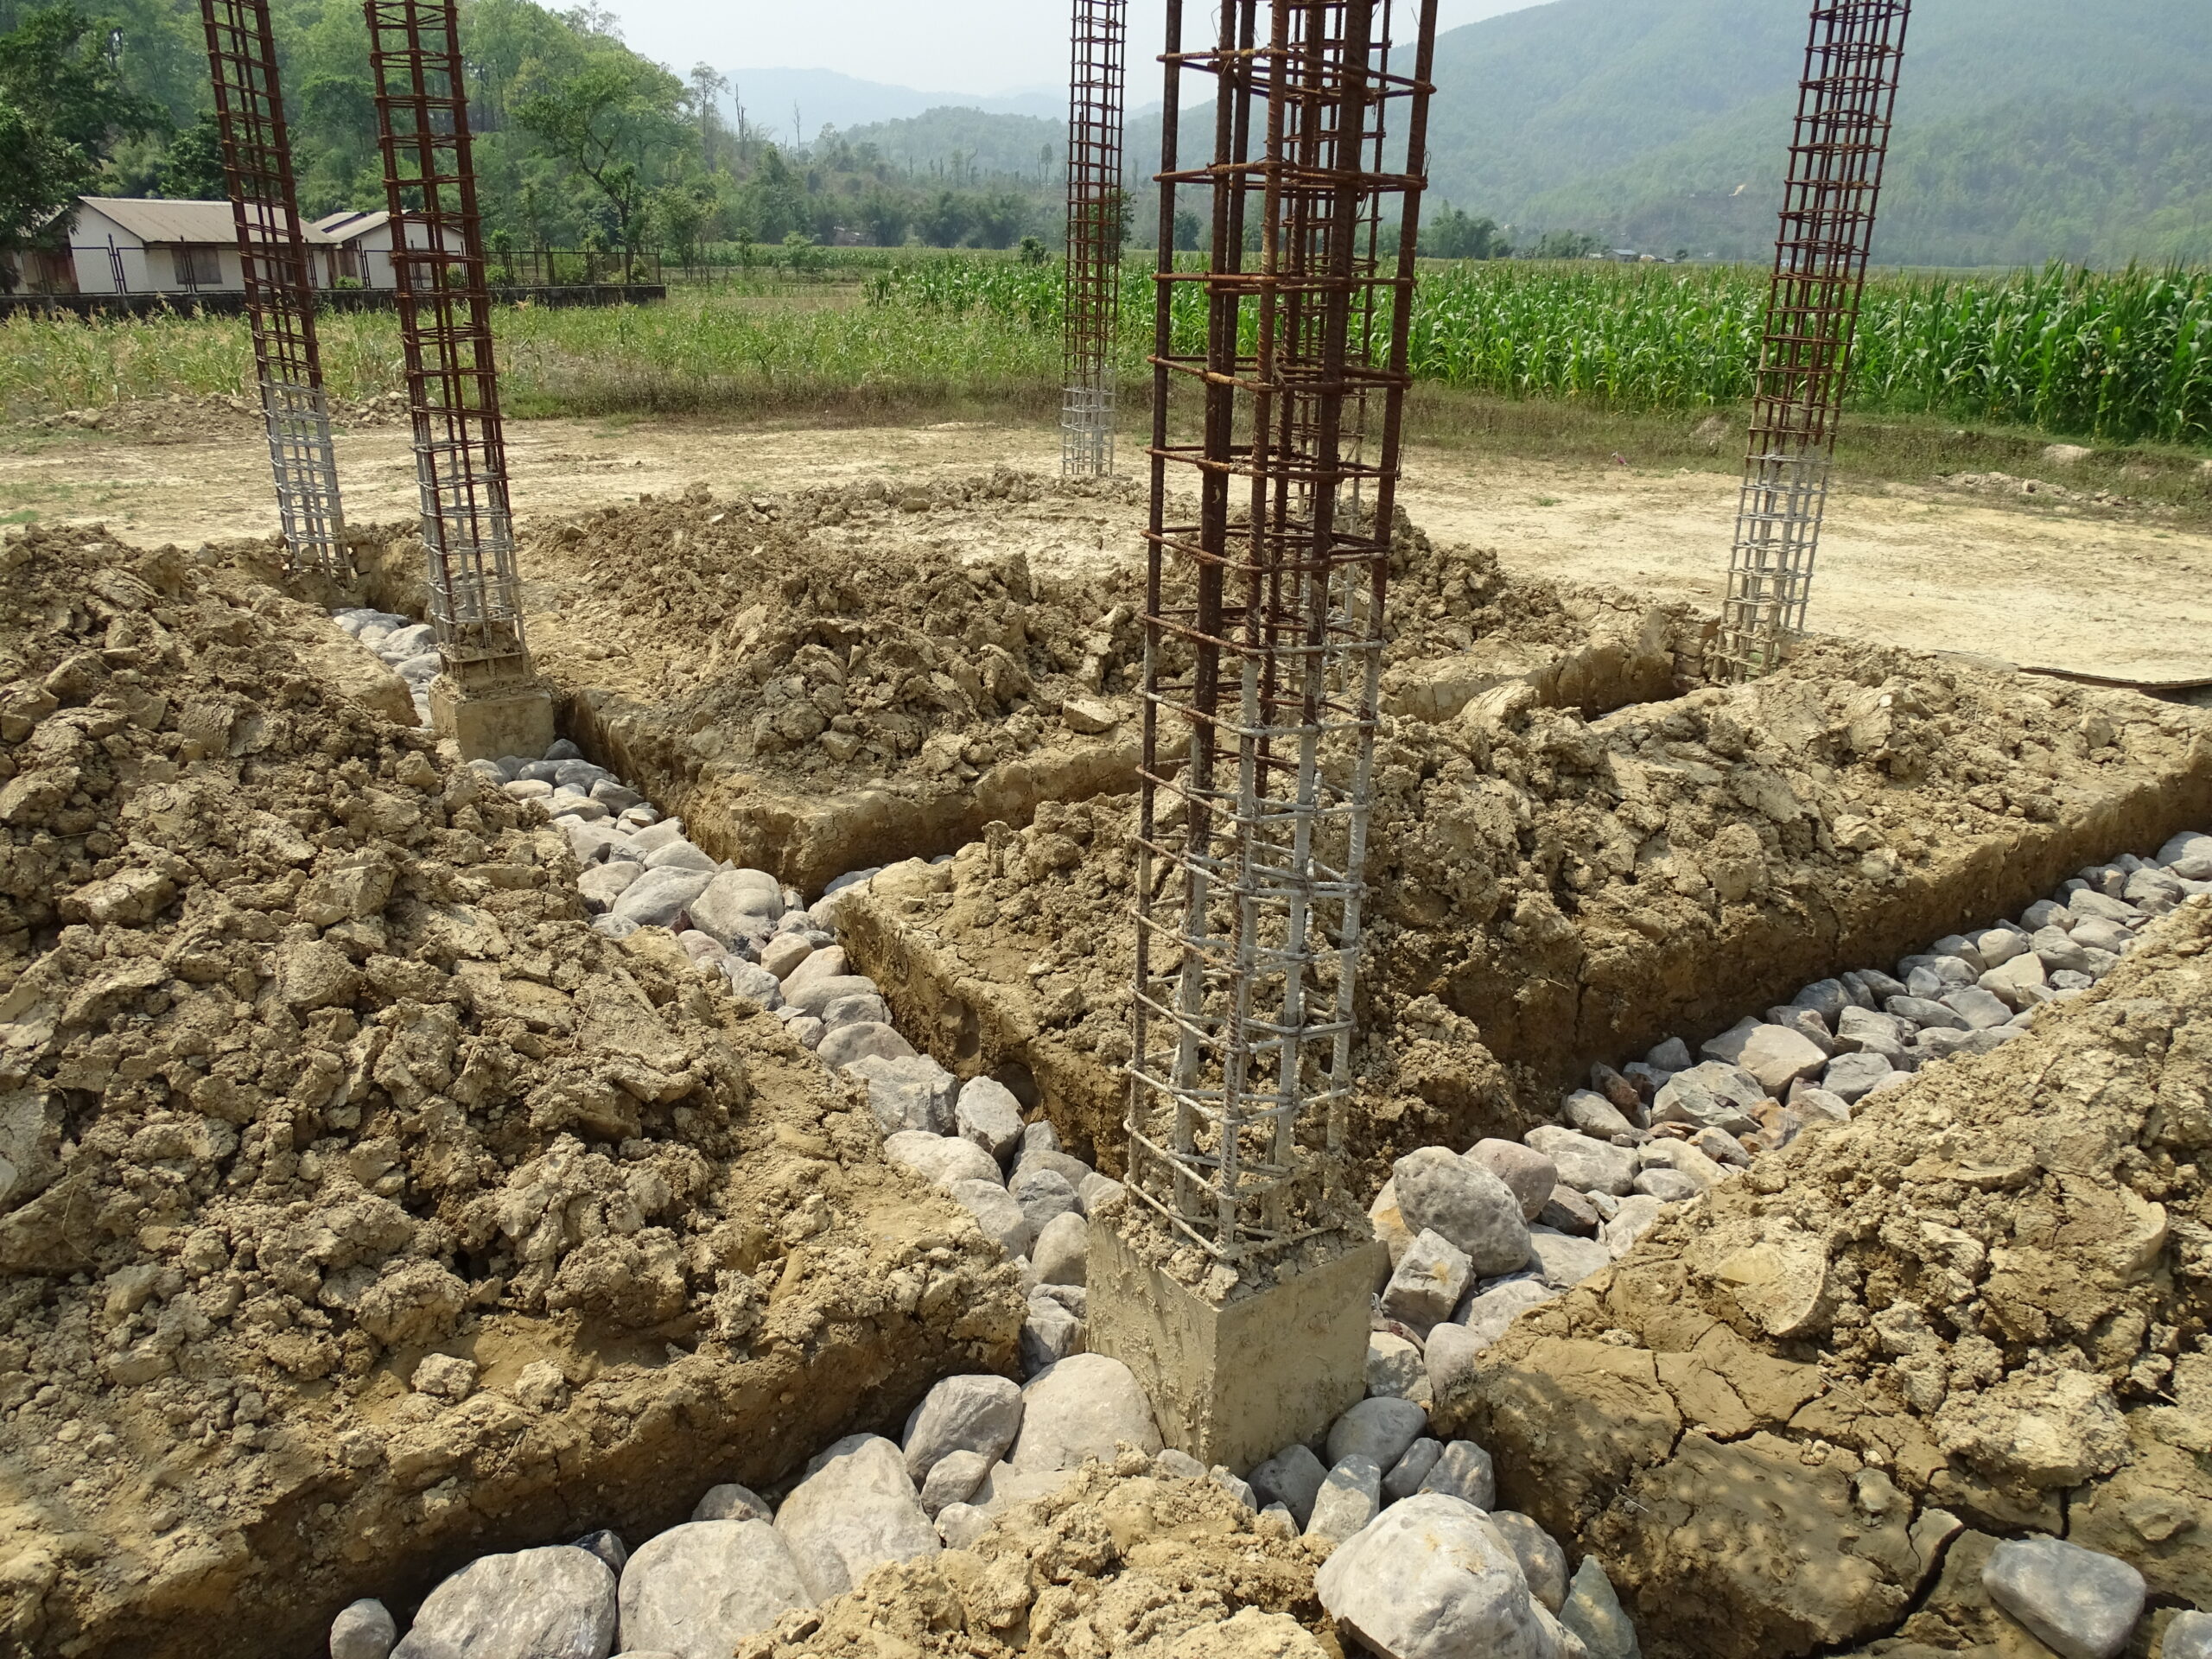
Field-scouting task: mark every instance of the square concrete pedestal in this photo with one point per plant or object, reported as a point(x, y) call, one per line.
point(512, 719)
point(1235, 1383)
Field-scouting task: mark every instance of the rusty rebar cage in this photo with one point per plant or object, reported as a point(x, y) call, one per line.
point(1264, 613)
point(279, 282)
point(1090, 279)
point(445, 325)
point(1845, 103)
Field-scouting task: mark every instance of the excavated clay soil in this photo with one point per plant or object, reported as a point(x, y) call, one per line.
point(1579, 848)
point(1551, 892)
point(849, 676)
point(311, 1067)
point(1119, 1562)
point(1795, 1418)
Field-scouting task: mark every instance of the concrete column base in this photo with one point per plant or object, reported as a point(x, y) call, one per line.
point(1235, 1383)
point(512, 719)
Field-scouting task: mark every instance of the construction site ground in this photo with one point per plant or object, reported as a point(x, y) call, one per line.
point(316, 1067)
point(2047, 578)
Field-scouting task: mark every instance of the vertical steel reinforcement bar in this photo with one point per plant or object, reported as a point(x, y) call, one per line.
point(1836, 153)
point(1263, 609)
point(279, 283)
point(445, 325)
point(1090, 282)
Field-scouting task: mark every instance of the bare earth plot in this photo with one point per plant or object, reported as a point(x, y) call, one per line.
point(2123, 596)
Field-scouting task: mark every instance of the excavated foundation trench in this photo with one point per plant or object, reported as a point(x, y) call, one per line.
point(1589, 850)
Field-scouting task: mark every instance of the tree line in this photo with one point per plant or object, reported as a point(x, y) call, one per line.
point(580, 142)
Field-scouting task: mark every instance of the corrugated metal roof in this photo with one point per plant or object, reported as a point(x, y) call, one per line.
point(152, 220)
point(344, 227)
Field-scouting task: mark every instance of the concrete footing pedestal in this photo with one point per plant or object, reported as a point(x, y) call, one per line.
point(1235, 1383)
point(488, 723)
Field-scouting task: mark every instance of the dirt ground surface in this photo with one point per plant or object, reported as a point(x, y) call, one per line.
point(2037, 579)
point(1552, 890)
point(1138, 1567)
point(364, 1208)
point(1795, 1418)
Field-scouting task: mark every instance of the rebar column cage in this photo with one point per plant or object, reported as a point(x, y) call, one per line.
point(445, 325)
point(1264, 612)
point(279, 285)
point(1836, 154)
point(1090, 283)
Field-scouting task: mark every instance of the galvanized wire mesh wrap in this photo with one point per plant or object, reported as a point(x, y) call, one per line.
point(1836, 153)
point(279, 286)
point(445, 323)
point(1090, 278)
point(1264, 610)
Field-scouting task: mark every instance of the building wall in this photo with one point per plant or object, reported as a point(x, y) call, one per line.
point(96, 270)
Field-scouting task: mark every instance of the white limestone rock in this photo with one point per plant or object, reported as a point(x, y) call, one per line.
point(939, 1159)
point(1428, 1282)
point(954, 1480)
point(1528, 1174)
point(980, 1413)
point(1594, 1613)
point(1543, 1563)
point(1432, 1579)
point(731, 1502)
point(1081, 1408)
point(1440, 1192)
point(2080, 1604)
point(1394, 1367)
point(996, 1213)
point(1585, 1165)
point(1464, 1470)
point(988, 1113)
point(697, 1590)
point(1061, 1254)
point(855, 1511)
point(363, 1629)
point(1379, 1429)
point(1350, 1498)
point(556, 1603)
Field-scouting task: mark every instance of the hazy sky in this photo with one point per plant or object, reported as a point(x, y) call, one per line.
point(981, 47)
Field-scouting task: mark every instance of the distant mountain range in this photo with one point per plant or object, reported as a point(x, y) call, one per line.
point(2027, 129)
point(772, 99)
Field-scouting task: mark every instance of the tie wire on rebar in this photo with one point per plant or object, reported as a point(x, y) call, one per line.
point(445, 319)
point(1092, 273)
point(279, 282)
point(1845, 105)
point(1264, 614)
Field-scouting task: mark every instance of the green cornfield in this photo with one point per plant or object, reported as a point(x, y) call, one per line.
point(2121, 356)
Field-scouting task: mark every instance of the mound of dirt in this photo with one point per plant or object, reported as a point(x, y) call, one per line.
point(1549, 891)
point(1978, 1309)
point(312, 1071)
point(840, 677)
point(1119, 1562)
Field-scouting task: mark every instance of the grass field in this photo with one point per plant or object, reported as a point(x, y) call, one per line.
point(2119, 359)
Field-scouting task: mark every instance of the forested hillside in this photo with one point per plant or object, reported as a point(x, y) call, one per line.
point(581, 142)
point(2026, 130)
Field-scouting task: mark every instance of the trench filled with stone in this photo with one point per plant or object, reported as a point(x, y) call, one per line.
point(762, 1321)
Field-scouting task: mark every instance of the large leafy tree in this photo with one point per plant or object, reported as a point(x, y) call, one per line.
point(615, 121)
point(192, 167)
point(63, 105)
